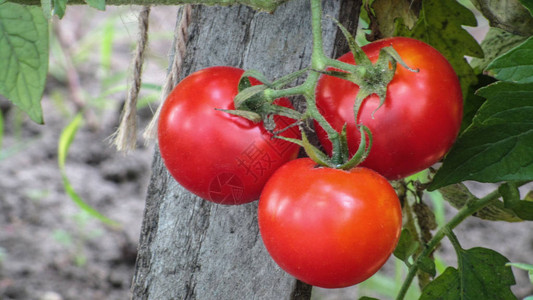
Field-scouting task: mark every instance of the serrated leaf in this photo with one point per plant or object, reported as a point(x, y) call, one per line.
point(407, 245)
point(516, 65)
point(496, 42)
point(528, 4)
point(440, 25)
point(23, 56)
point(387, 11)
point(508, 15)
point(473, 102)
point(511, 199)
point(482, 275)
point(510, 194)
point(98, 4)
point(497, 146)
point(60, 6)
point(458, 196)
point(427, 265)
point(65, 140)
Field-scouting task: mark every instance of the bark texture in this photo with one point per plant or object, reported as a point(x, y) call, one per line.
point(193, 249)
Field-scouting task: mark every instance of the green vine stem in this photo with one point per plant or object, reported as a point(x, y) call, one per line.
point(263, 5)
point(467, 210)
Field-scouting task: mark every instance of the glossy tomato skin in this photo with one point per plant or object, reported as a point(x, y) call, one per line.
point(220, 157)
point(421, 116)
point(328, 227)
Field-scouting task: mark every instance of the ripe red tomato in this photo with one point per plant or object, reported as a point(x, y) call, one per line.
point(421, 116)
point(220, 157)
point(328, 227)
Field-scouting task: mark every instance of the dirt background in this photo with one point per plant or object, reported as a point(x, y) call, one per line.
point(49, 248)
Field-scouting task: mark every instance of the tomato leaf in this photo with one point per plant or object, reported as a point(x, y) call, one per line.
point(516, 65)
point(482, 274)
point(440, 25)
point(60, 6)
point(528, 4)
point(511, 199)
point(497, 145)
point(98, 4)
point(407, 245)
point(458, 196)
point(473, 102)
point(496, 42)
point(508, 15)
point(386, 12)
point(526, 267)
point(23, 56)
point(427, 265)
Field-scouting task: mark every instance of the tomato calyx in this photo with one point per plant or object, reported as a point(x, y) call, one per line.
point(255, 101)
point(371, 78)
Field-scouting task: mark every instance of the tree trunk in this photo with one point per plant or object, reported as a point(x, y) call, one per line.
point(191, 248)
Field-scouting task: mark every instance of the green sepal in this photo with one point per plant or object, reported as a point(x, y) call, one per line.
point(360, 56)
point(249, 115)
point(362, 151)
point(345, 150)
point(312, 152)
point(244, 82)
point(407, 246)
point(249, 97)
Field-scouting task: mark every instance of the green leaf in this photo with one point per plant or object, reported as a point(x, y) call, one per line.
point(522, 266)
point(440, 25)
point(511, 199)
point(516, 65)
point(526, 267)
point(98, 4)
point(387, 12)
point(508, 15)
point(481, 275)
point(407, 245)
point(496, 42)
point(65, 140)
point(510, 194)
point(528, 4)
point(458, 196)
point(60, 6)
point(427, 265)
point(473, 102)
point(497, 145)
point(23, 56)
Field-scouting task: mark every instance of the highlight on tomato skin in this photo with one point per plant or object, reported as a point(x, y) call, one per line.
point(328, 227)
point(220, 157)
point(421, 116)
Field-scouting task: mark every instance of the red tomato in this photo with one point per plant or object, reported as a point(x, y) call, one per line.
point(328, 227)
point(421, 116)
point(220, 157)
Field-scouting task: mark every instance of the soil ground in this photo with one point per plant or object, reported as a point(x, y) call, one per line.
point(49, 248)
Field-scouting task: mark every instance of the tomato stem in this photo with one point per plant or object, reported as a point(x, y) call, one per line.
point(473, 206)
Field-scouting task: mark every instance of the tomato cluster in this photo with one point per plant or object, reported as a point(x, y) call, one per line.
point(327, 227)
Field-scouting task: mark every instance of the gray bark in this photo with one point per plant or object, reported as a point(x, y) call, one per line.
point(191, 248)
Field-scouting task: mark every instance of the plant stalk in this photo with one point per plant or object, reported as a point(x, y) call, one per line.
point(466, 211)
